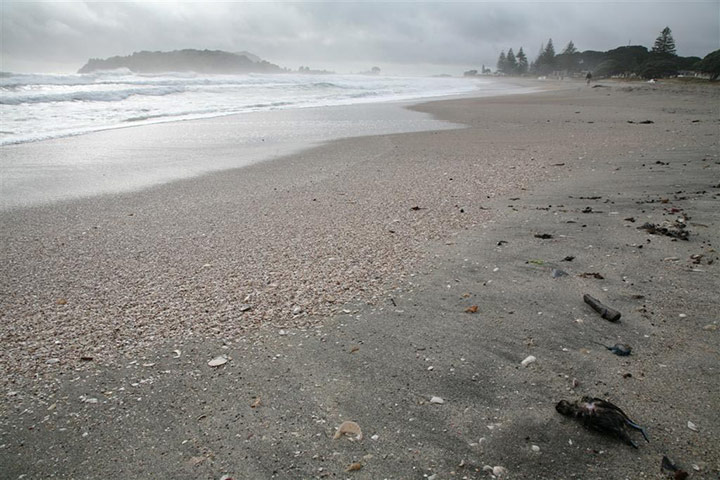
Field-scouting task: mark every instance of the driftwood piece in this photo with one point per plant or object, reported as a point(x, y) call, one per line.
point(605, 312)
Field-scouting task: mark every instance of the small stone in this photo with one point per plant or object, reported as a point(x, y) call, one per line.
point(682, 315)
point(557, 273)
point(530, 359)
point(535, 448)
point(437, 400)
point(297, 310)
point(499, 471)
point(692, 426)
point(375, 437)
point(244, 307)
point(710, 328)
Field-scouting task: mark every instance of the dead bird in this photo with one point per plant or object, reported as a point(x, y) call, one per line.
point(619, 349)
point(601, 416)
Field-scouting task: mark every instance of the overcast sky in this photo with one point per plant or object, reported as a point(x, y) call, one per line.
point(400, 37)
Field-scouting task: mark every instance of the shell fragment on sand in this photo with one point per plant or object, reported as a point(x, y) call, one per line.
point(349, 428)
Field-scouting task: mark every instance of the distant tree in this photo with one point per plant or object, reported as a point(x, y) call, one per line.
point(658, 68)
point(569, 59)
point(545, 63)
point(511, 62)
point(570, 49)
point(522, 62)
point(665, 43)
point(549, 49)
point(710, 64)
point(502, 62)
point(375, 70)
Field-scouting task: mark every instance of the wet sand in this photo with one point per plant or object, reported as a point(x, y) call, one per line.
point(336, 281)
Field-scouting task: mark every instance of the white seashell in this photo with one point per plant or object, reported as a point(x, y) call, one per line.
point(217, 361)
point(528, 361)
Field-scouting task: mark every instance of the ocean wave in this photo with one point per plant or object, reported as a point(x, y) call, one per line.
point(89, 95)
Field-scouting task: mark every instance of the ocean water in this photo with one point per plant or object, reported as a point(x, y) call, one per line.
point(66, 137)
point(36, 107)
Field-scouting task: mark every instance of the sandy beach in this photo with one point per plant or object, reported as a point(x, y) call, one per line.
point(339, 283)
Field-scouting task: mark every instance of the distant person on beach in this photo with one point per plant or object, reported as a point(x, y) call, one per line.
point(588, 77)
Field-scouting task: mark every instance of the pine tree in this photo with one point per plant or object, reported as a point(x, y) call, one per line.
point(549, 50)
point(502, 62)
point(510, 62)
point(665, 43)
point(522, 62)
point(570, 49)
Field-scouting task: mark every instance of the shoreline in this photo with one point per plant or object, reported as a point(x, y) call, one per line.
point(390, 233)
point(136, 157)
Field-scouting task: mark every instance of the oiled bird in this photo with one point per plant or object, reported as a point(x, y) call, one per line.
point(601, 416)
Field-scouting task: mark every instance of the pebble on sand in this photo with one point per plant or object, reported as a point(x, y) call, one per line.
point(437, 400)
point(530, 359)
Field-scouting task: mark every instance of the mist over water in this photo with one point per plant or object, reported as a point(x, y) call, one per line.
point(36, 107)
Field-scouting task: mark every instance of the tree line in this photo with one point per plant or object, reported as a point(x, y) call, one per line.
point(635, 60)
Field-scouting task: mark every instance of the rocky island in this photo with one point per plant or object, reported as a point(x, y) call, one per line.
point(188, 60)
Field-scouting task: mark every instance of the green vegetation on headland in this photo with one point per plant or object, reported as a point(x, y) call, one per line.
point(633, 61)
point(200, 61)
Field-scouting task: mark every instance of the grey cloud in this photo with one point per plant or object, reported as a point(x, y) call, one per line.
point(331, 35)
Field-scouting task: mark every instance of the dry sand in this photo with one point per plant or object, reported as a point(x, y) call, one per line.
point(336, 281)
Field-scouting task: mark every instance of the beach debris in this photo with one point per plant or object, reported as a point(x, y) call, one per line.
point(437, 400)
point(543, 236)
point(619, 349)
point(501, 243)
point(536, 261)
point(587, 210)
point(591, 275)
point(244, 307)
point(692, 426)
point(416, 208)
point(256, 403)
point(667, 465)
point(535, 448)
point(496, 471)
point(630, 219)
point(471, 309)
point(297, 310)
point(217, 361)
point(675, 229)
point(354, 349)
point(605, 312)
point(226, 477)
point(528, 360)
point(557, 273)
point(642, 122)
point(569, 258)
point(87, 358)
point(349, 428)
point(601, 416)
point(353, 467)
point(61, 301)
